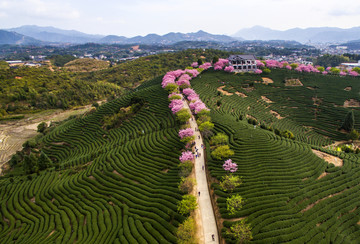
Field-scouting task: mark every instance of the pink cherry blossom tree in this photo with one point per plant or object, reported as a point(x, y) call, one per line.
point(186, 133)
point(230, 166)
point(186, 156)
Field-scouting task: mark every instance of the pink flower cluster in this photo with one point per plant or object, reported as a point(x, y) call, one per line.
point(220, 64)
point(186, 156)
point(197, 106)
point(230, 166)
point(301, 67)
point(176, 105)
point(205, 66)
point(258, 71)
point(195, 64)
point(186, 133)
point(193, 72)
point(188, 91)
point(259, 64)
point(184, 80)
point(229, 69)
point(353, 73)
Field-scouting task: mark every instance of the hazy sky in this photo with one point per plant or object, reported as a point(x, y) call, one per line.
point(141, 17)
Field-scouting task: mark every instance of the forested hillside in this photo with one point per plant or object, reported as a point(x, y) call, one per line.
point(25, 89)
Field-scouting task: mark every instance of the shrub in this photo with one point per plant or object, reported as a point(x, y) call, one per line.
point(266, 71)
point(187, 205)
point(222, 152)
point(183, 115)
point(186, 232)
point(230, 182)
point(187, 184)
point(185, 168)
point(234, 203)
point(219, 139)
point(241, 232)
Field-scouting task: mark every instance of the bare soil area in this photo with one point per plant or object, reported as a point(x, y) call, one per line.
point(348, 88)
point(240, 94)
point(267, 100)
point(317, 101)
point(14, 133)
point(293, 82)
point(267, 80)
point(338, 162)
point(276, 114)
point(352, 103)
point(220, 89)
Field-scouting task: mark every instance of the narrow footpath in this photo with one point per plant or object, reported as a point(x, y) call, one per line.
point(206, 210)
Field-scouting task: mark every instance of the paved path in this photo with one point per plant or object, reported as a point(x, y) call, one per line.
point(205, 206)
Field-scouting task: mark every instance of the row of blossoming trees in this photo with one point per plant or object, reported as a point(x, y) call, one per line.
point(220, 151)
point(177, 83)
point(303, 68)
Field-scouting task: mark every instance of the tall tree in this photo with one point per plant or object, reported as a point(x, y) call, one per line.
point(349, 122)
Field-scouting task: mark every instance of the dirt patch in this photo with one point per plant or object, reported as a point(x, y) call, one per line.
point(250, 117)
point(18, 77)
point(311, 88)
point(310, 206)
point(338, 162)
point(249, 89)
point(235, 219)
point(293, 82)
point(32, 199)
point(267, 100)
point(276, 114)
point(52, 232)
point(58, 143)
point(111, 203)
point(165, 170)
point(267, 80)
point(240, 94)
point(317, 101)
point(352, 103)
point(115, 172)
point(348, 88)
point(322, 175)
point(220, 89)
point(92, 177)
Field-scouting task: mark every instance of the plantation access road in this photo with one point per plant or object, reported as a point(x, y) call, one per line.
point(204, 201)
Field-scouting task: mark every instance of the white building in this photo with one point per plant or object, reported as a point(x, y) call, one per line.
point(351, 65)
point(242, 63)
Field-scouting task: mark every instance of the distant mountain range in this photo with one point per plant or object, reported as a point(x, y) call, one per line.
point(10, 37)
point(32, 34)
point(314, 35)
point(55, 35)
point(51, 34)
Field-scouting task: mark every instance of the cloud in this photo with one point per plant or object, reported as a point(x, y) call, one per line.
point(40, 9)
point(345, 12)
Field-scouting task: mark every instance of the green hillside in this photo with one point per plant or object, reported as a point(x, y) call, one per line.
point(106, 185)
point(290, 195)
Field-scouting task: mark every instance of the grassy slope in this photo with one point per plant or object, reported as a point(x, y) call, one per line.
point(280, 176)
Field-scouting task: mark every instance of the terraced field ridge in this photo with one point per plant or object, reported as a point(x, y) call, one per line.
point(116, 185)
point(290, 194)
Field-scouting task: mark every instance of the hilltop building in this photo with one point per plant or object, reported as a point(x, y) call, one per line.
point(242, 63)
point(350, 65)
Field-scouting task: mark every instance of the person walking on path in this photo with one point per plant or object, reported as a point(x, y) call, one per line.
point(203, 167)
point(199, 194)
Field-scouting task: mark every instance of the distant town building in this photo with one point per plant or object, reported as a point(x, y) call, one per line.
point(242, 63)
point(350, 65)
